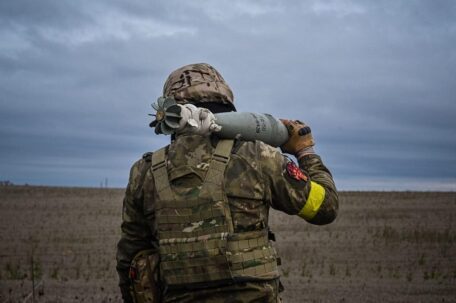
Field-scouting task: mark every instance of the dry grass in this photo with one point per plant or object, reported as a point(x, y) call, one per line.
point(384, 247)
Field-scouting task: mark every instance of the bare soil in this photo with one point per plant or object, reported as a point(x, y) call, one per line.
point(384, 247)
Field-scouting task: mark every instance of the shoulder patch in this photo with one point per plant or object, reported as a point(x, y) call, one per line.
point(295, 172)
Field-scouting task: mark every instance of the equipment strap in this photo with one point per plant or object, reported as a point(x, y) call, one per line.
point(210, 213)
point(213, 186)
point(145, 167)
point(257, 254)
point(215, 174)
point(162, 185)
point(194, 262)
point(197, 278)
point(258, 271)
point(192, 246)
point(239, 245)
point(196, 233)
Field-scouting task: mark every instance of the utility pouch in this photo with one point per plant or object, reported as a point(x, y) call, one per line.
point(144, 277)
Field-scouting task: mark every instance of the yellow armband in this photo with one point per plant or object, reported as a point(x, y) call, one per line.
point(314, 201)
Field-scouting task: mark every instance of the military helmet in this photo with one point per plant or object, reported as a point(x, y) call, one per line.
point(198, 83)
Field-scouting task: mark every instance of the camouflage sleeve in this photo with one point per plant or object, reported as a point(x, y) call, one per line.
point(136, 234)
point(307, 190)
point(319, 173)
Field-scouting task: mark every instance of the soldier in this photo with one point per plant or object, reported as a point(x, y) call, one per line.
point(200, 205)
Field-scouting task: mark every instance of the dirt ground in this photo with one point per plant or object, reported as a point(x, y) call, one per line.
point(384, 247)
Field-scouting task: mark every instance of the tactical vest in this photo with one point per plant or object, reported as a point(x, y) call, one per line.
point(198, 245)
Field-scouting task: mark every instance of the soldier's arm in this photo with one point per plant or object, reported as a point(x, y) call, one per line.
point(136, 234)
point(320, 174)
point(307, 191)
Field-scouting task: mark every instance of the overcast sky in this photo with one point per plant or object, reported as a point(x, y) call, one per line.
point(376, 81)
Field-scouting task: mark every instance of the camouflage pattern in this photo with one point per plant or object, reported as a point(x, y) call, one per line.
point(264, 292)
point(198, 83)
point(144, 277)
point(137, 232)
point(198, 243)
point(255, 180)
point(319, 173)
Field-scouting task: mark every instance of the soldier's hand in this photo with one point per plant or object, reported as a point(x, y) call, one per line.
point(300, 138)
point(196, 120)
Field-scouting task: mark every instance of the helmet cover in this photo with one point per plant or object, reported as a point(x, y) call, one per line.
point(198, 83)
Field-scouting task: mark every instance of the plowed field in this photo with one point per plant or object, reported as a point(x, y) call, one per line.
point(384, 247)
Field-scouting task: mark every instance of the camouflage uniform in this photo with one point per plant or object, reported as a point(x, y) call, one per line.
point(257, 177)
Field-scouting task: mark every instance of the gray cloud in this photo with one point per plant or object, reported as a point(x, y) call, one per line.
point(373, 79)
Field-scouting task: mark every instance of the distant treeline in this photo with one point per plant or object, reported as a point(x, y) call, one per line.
point(6, 183)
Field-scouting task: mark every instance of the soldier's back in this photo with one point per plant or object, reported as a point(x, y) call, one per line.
point(245, 189)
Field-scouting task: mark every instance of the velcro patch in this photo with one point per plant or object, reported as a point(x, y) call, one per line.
point(295, 172)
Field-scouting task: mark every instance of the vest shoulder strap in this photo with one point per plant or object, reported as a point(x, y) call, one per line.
point(160, 172)
point(213, 185)
point(147, 157)
point(215, 174)
point(223, 150)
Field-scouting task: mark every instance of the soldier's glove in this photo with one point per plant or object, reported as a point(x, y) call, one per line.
point(196, 120)
point(300, 142)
